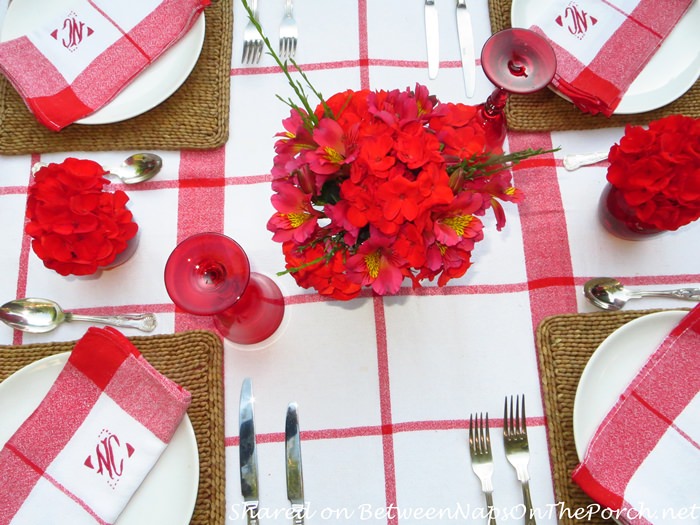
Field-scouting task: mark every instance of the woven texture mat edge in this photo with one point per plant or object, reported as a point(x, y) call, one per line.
point(193, 359)
point(547, 111)
point(565, 344)
point(196, 116)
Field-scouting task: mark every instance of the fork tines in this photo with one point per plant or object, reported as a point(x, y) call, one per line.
point(289, 33)
point(482, 458)
point(514, 425)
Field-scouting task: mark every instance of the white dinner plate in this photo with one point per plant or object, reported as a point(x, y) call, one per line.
point(168, 494)
point(672, 70)
point(612, 367)
point(151, 87)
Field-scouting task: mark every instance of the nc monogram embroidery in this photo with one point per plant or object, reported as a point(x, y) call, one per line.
point(72, 32)
point(109, 457)
point(576, 20)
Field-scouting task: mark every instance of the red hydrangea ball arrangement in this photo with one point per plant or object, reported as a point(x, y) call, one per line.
point(373, 187)
point(76, 225)
point(655, 175)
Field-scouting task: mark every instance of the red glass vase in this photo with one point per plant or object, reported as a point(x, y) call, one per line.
point(619, 217)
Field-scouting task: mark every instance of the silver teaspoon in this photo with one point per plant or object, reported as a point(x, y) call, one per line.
point(37, 316)
point(609, 294)
point(136, 168)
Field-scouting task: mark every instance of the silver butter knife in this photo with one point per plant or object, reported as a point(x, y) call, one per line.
point(466, 45)
point(247, 454)
point(295, 478)
point(432, 38)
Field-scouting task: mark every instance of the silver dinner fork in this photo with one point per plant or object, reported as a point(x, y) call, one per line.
point(517, 449)
point(289, 33)
point(482, 459)
point(252, 41)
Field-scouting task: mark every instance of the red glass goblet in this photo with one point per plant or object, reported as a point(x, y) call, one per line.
point(516, 61)
point(209, 274)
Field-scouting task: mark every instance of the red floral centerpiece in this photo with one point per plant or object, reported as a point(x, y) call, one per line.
point(76, 225)
point(654, 178)
point(372, 187)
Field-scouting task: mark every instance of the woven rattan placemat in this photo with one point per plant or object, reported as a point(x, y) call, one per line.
point(194, 360)
point(547, 111)
point(565, 344)
point(196, 116)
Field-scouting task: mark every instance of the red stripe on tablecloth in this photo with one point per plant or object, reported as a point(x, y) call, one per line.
point(200, 209)
point(385, 408)
point(545, 237)
point(364, 51)
point(378, 430)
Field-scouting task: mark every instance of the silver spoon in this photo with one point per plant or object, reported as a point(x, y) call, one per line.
point(43, 315)
point(138, 167)
point(609, 294)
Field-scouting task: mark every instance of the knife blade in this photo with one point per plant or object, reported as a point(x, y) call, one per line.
point(248, 454)
point(295, 478)
point(466, 44)
point(432, 38)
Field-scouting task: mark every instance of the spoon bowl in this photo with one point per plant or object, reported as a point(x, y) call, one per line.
point(136, 168)
point(609, 294)
point(38, 316)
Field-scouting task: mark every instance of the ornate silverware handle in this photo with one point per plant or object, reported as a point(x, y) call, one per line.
point(689, 294)
point(143, 322)
point(573, 162)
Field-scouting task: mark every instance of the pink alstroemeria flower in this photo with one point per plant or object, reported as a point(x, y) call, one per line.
point(296, 219)
point(377, 264)
point(331, 151)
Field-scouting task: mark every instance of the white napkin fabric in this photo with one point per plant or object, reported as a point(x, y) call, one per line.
point(603, 45)
point(71, 65)
point(644, 459)
point(92, 440)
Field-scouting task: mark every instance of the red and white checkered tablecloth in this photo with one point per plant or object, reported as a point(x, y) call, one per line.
point(384, 386)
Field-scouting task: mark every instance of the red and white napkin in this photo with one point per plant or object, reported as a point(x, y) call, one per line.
point(92, 440)
point(644, 459)
point(603, 45)
point(71, 65)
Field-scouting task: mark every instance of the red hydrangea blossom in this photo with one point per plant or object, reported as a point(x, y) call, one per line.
point(75, 225)
point(379, 186)
point(657, 170)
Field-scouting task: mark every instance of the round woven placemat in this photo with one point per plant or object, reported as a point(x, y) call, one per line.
point(565, 344)
point(196, 116)
point(547, 111)
point(192, 359)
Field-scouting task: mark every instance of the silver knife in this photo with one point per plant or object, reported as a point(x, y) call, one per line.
point(466, 44)
point(432, 38)
point(247, 453)
point(295, 478)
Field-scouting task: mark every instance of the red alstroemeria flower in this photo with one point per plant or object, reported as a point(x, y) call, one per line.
point(377, 264)
point(296, 219)
point(331, 151)
point(457, 221)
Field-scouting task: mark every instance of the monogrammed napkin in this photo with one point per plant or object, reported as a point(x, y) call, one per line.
point(644, 459)
point(72, 64)
point(602, 45)
point(92, 440)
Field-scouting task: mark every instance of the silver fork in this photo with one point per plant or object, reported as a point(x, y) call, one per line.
point(517, 449)
point(482, 459)
point(252, 41)
point(288, 33)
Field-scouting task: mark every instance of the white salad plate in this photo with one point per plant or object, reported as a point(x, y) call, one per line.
point(671, 72)
point(612, 368)
point(151, 87)
point(168, 494)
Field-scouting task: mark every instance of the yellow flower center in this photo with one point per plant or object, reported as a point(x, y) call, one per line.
point(458, 223)
point(297, 219)
point(372, 263)
point(510, 191)
point(332, 155)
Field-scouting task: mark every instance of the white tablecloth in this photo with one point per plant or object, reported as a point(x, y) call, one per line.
point(385, 386)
